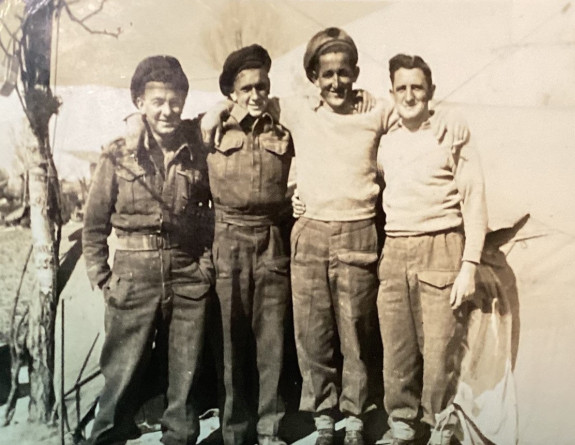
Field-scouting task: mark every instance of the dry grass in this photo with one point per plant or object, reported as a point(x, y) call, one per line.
point(14, 245)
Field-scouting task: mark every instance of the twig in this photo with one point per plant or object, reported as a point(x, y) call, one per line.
point(81, 21)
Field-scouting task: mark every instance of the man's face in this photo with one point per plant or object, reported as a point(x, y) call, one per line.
point(411, 94)
point(335, 77)
point(251, 90)
point(162, 106)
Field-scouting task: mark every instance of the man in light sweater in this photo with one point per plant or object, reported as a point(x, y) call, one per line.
point(434, 203)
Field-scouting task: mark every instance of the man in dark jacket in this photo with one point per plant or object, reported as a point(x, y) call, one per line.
point(155, 195)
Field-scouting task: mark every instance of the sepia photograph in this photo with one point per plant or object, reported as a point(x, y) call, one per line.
point(273, 222)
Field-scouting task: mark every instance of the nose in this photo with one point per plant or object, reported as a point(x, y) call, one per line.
point(409, 95)
point(254, 94)
point(167, 109)
point(335, 81)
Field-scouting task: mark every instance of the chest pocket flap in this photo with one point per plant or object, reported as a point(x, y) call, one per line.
point(232, 141)
point(274, 143)
point(129, 171)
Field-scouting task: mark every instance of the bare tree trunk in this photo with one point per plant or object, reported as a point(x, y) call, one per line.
point(45, 219)
point(42, 311)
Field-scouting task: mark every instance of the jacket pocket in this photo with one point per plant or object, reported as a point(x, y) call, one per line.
point(131, 190)
point(232, 141)
point(439, 279)
point(274, 145)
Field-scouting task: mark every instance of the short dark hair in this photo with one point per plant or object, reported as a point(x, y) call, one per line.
point(409, 62)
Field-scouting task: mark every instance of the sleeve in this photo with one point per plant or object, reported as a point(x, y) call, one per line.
point(389, 116)
point(97, 224)
point(471, 187)
point(287, 110)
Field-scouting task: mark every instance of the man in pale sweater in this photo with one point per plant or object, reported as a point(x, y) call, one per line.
point(434, 202)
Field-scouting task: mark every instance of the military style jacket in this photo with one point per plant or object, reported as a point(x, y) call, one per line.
point(250, 168)
point(135, 194)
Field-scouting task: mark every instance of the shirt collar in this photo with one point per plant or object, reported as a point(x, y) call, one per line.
point(424, 126)
point(239, 113)
point(181, 143)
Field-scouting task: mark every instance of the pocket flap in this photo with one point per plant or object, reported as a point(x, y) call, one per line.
point(357, 257)
point(438, 278)
point(279, 265)
point(231, 141)
point(273, 144)
point(129, 176)
point(191, 291)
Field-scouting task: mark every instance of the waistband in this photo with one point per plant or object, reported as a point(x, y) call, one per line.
point(232, 216)
point(152, 241)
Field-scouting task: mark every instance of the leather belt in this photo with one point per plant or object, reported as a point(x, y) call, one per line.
point(152, 241)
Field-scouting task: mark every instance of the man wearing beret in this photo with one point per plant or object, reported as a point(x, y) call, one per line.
point(248, 177)
point(155, 195)
point(248, 174)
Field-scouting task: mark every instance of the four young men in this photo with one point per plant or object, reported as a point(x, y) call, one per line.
point(334, 244)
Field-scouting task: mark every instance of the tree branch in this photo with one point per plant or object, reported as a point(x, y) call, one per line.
point(81, 20)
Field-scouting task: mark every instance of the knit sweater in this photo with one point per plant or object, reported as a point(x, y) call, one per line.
point(430, 187)
point(335, 158)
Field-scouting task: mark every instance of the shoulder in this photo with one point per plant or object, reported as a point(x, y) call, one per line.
point(116, 149)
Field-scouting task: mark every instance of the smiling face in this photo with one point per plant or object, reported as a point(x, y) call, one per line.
point(251, 90)
point(334, 77)
point(411, 94)
point(162, 106)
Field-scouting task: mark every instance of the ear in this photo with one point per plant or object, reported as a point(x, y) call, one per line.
point(431, 92)
point(355, 73)
point(315, 77)
point(140, 104)
point(234, 96)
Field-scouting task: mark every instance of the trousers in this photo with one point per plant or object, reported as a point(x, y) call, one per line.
point(422, 336)
point(253, 287)
point(155, 304)
point(334, 285)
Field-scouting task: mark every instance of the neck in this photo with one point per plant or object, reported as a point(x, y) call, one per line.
point(415, 123)
point(165, 142)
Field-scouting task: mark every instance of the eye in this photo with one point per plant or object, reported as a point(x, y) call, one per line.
point(327, 74)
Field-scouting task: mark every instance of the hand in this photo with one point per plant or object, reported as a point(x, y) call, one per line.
point(450, 128)
point(211, 124)
point(464, 286)
point(135, 128)
point(212, 129)
point(297, 205)
point(364, 102)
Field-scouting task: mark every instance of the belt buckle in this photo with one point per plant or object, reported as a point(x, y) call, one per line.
point(159, 241)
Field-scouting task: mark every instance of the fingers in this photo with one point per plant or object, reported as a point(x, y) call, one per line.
point(218, 135)
point(207, 136)
point(297, 205)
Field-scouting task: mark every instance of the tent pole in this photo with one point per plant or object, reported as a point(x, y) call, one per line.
point(62, 401)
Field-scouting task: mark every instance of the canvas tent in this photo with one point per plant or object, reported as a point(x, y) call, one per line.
point(509, 68)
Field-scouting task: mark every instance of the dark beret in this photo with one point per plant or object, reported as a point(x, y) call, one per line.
point(165, 69)
point(319, 43)
point(253, 56)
